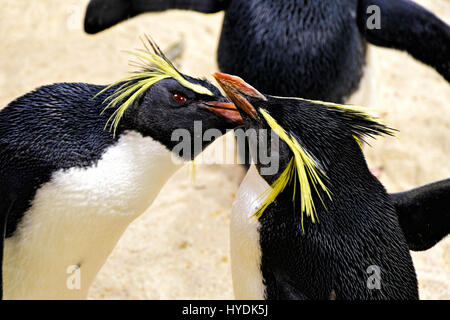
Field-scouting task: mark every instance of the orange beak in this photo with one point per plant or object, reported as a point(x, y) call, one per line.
point(226, 110)
point(237, 89)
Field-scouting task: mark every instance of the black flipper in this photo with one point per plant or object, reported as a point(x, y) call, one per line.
point(102, 14)
point(424, 214)
point(407, 26)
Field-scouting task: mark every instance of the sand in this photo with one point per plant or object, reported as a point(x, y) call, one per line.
point(179, 249)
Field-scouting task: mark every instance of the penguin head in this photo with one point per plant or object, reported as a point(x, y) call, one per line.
point(169, 106)
point(158, 100)
point(318, 147)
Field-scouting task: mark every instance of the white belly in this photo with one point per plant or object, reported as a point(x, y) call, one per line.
point(244, 239)
point(78, 217)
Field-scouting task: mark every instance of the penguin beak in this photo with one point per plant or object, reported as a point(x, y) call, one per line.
point(225, 109)
point(237, 90)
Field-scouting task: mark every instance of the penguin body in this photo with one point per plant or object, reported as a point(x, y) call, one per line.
point(316, 47)
point(70, 207)
point(323, 43)
point(336, 260)
point(351, 230)
point(271, 258)
point(77, 217)
point(70, 186)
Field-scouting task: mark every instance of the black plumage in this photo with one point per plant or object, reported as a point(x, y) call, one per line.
point(424, 213)
point(314, 48)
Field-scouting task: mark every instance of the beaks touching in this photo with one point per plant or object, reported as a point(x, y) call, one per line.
point(225, 109)
point(237, 90)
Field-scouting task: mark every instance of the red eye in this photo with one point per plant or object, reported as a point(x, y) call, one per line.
point(179, 98)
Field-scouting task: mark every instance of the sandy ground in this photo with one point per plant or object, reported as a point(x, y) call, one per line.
point(179, 248)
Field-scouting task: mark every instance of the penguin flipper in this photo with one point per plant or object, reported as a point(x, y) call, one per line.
point(405, 25)
point(102, 14)
point(424, 214)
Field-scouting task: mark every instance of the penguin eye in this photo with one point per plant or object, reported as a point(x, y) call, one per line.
point(179, 98)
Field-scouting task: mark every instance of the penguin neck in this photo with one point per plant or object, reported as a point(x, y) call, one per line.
point(76, 219)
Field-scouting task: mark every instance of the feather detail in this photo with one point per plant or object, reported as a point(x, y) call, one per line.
point(359, 121)
point(302, 166)
point(153, 67)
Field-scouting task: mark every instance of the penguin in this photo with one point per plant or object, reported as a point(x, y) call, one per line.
point(317, 50)
point(79, 162)
point(323, 226)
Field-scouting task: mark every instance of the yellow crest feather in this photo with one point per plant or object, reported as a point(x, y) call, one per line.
point(359, 120)
point(357, 113)
point(303, 166)
point(154, 67)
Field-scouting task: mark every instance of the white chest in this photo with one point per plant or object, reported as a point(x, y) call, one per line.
point(244, 239)
point(78, 217)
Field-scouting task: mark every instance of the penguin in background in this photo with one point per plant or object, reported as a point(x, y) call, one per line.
point(322, 43)
point(70, 187)
point(324, 227)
